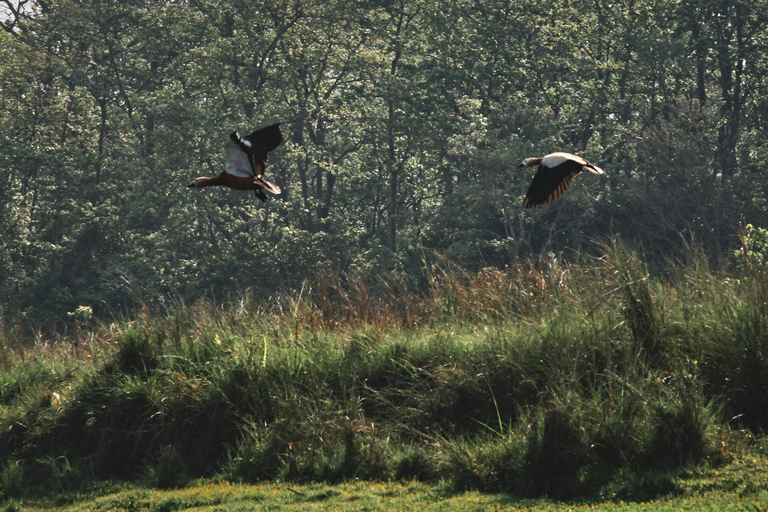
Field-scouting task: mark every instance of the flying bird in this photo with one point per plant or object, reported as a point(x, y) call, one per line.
point(246, 161)
point(554, 176)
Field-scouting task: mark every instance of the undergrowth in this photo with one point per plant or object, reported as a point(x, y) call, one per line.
point(564, 380)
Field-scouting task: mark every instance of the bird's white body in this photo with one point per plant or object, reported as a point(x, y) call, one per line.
point(552, 160)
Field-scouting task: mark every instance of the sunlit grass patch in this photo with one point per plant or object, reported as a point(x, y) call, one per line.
point(371, 496)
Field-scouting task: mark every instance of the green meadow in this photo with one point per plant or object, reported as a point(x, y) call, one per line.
point(598, 383)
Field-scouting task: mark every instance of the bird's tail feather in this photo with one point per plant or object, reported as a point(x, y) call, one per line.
point(264, 185)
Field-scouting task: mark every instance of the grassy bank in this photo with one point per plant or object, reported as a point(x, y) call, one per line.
point(593, 380)
point(370, 496)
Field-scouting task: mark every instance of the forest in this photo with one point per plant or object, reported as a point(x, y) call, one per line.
point(405, 123)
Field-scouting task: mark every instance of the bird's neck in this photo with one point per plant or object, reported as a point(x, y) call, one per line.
point(209, 182)
point(534, 161)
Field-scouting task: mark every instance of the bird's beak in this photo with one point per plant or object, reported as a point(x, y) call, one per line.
point(191, 185)
point(521, 165)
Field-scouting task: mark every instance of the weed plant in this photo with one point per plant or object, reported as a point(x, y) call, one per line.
point(564, 380)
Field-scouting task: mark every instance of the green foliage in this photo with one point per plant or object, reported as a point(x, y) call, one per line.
point(404, 124)
point(754, 245)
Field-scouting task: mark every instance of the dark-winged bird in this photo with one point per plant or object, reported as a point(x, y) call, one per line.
point(246, 161)
point(554, 176)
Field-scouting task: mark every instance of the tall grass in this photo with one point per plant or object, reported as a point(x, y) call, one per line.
point(553, 379)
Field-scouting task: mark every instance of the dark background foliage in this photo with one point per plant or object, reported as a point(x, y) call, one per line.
point(404, 121)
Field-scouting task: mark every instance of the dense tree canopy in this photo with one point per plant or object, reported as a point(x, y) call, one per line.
point(404, 120)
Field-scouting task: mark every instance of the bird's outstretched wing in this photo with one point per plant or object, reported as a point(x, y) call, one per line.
point(238, 162)
point(268, 138)
point(247, 156)
point(550, 183)
point(261, 142)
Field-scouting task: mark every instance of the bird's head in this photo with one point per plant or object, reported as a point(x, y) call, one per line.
point(197, 182)
point(530, 162)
